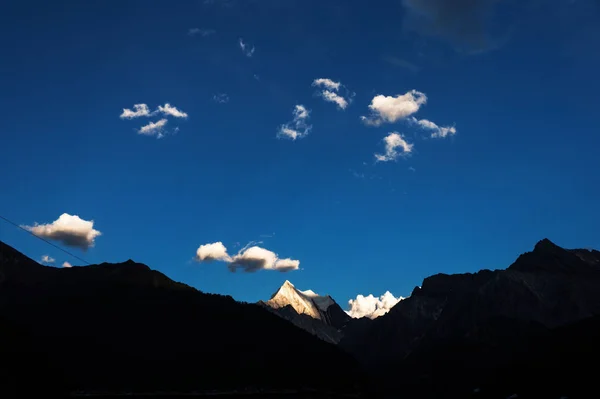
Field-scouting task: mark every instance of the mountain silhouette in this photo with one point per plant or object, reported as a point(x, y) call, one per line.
point(457, 332)
point(124, 327)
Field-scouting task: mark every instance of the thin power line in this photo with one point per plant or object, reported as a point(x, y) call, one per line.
point(43, 239)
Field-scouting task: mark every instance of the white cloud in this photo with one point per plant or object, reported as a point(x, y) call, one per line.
point(248, 52)
point(334, 98)
point(437, 131)
point(138, 111)
point(71, 230)
point(251, 258)
point(298, 127)
point(330, 93)
point(390, 109)
point(154, 128)
point(67, 264)
point(393, 142)
point(327, 83)
point(372, 307)
point(47, 259)
point(167, 109)
point(211, 252)
point(256, 258)
point(221, 98)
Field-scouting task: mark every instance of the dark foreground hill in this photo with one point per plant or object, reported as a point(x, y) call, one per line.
point(124, 327)
point(531, 329)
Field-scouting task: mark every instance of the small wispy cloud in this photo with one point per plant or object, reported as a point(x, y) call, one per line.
point(221, 98)
point(334, 98)
point(246, 49)
point(70, 230)
point(67, 264)
point(298, 127)
point(249, 259)
point(201, 32)
point(154, 128)
point(327, 83)
point(393, 142)
point(138, 111)
point(330, 92)
point(168, 109)
point(47, 259)
point(436, 131)
point(372, 307)
point(390, 109)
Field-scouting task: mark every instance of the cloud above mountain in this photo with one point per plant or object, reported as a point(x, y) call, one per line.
point(70, 230)
point(249, 259)
point(212, 252)
point(47, 260)
point(371, 306)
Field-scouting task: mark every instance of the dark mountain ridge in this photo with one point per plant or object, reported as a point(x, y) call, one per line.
point(461, 329)
point(124, 327)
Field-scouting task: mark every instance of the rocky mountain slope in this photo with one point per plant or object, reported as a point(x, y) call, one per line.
point(124, 327)
point(458, 330)
point(319, 315)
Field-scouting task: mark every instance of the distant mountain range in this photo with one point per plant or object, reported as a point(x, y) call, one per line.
point(530, 330)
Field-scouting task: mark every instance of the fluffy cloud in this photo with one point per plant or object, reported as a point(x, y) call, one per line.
point(436, 131)
point(212, 252)
point(370, 306)
point(331, 92)
point(393, 142)
point(462, 22)
point(298, 127)
point(47, 259)
point(249, 259)
point(167, 109)
point(390, 109)
point(248, 52)
point(221, 98)
point(67, 264)
point(327, 83)
point(138, 111)
point(154, 128)
point(71, 230)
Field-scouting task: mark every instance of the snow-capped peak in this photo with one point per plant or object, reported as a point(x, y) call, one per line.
point(323, 302)
point(303, 302)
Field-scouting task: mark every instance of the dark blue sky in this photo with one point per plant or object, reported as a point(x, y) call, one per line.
point(518, 81)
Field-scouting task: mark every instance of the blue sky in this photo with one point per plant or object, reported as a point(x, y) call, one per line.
point(517, 80)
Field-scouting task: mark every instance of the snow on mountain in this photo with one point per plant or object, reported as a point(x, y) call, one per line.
point(303, 302)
